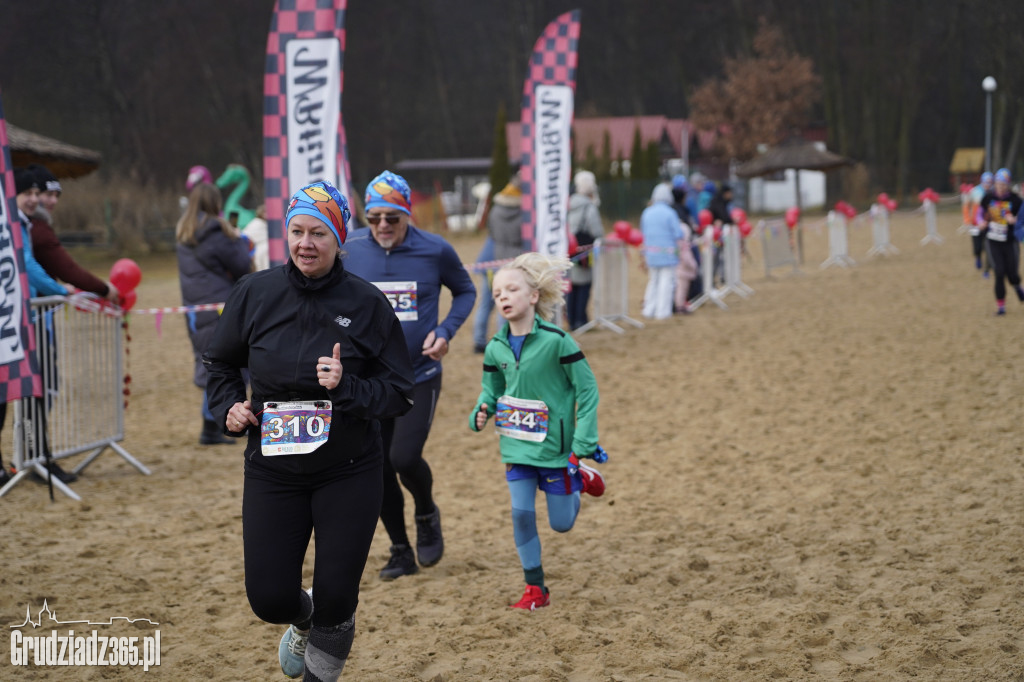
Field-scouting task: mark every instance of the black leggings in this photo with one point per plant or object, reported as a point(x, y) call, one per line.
point(1005, 257)
point(277, 519)
point(979, 251)
point(404, 438)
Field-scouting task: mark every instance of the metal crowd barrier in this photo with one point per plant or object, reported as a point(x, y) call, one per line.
point(79, 346)
point(777, 246)
point(609, 293)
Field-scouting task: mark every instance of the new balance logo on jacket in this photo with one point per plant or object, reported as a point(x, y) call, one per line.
point(343, 321)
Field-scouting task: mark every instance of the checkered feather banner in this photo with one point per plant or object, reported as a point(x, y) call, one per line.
point(303, 135)
point(548, 103)
point(19, 368)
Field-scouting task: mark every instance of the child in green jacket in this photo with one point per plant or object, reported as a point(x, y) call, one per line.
point(543, 394)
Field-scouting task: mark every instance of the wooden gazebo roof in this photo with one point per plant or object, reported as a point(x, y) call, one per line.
point(62, 159)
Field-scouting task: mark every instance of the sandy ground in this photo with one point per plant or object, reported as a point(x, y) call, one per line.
point(822, 482)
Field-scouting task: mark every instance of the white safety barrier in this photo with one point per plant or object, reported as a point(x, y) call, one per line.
point(609, 293)
point(931, 225)
point(732, 245)
point(838, 248)
point(777, 246)
point(880, 232)
point(967, 222)
point(708, 254)
point(80, 352)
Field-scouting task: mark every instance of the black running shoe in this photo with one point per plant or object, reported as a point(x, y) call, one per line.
point(402, 562)
point(429, 541)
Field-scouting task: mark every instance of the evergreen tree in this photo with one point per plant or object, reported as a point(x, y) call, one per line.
point(604, 162)
point(500, 172)
point(590, 160)
point(652, 157)
point(637, 162)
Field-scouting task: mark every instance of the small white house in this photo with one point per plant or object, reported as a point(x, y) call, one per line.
point(776, 193)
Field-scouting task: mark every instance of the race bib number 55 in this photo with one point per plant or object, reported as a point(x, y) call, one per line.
point(295, 428)
point(521, 419)
point(403, 298)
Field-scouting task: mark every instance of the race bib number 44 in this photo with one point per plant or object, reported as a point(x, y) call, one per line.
point(294, 428)
point(521, 419)
point(403, 298)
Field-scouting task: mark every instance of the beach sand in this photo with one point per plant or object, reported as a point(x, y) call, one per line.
point(822, 482)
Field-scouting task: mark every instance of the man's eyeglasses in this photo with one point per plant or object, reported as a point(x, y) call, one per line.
point(391, 219)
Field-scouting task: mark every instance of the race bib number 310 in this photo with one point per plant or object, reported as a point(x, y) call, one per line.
point(403, 298)
point(521, 419)
point(295, 428)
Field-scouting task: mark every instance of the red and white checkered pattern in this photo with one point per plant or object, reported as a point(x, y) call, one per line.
point(553, 62)
point(293, 19)
point(19, 379)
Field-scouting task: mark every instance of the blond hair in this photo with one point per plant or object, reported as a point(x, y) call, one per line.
point(204, 202)
point(545, 274)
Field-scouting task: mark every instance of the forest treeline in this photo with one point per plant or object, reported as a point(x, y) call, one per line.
point(158, 87)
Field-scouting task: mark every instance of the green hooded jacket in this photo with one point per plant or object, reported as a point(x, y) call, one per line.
point(552, 369)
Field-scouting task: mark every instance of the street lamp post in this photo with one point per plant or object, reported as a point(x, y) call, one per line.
point(989, 86)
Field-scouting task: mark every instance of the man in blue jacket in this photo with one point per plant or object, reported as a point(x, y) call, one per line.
point(411, 266)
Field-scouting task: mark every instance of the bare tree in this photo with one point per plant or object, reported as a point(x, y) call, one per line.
point(761, 99)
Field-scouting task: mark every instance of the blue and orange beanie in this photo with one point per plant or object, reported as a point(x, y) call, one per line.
point(323, 201)
point(389, 190)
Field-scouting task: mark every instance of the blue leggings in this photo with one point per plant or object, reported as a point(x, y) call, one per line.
point(562, 511)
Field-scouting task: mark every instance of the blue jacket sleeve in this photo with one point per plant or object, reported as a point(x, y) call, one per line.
point(458, 281)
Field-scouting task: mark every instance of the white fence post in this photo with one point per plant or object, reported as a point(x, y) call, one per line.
point(837, 245)
point(708, 252)
point(732, 242)
point(931, 226)
point(880, 232)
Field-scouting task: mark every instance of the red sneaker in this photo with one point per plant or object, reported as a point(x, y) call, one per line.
point(593, 481)
point(534, 598)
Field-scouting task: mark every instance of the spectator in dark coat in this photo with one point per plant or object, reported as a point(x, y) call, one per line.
point(212, 256)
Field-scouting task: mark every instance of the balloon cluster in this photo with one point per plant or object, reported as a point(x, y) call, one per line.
point(792, 216)
point(846, 209)
point(623, 231)
point(739, 219)
point(125, 275)
point(928, 194)
point(884, 200)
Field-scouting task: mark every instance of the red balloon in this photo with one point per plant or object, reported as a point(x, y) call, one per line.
point(612, 239)
point(891, 204)
point(792, 216)
point(635, 237)
point(745, 229)
point(846, 209)
point(704, 217)
point(883, 198)
point(574, 245)
point(125, 275)
point(738, 215)
point(128, 299)
point(622, 228)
